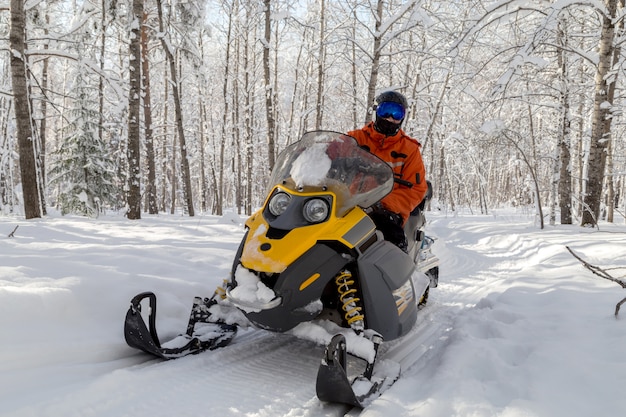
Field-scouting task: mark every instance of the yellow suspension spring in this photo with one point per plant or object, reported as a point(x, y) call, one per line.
point(349, 301)
point(220, 291)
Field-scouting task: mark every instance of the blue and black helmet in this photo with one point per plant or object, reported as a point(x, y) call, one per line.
point(390, 104)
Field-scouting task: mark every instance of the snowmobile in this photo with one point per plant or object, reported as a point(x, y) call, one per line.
point(312, 254)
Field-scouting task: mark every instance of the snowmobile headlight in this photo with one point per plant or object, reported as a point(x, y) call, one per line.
point(315, 210)
point(278, 203)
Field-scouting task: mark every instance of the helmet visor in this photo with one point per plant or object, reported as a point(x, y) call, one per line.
point(390, 109)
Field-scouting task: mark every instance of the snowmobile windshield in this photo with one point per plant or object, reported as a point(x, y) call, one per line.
point(323, 160)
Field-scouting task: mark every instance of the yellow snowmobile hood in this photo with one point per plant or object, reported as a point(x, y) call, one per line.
point(272, 255)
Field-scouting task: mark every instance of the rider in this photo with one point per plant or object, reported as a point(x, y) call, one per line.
point(384, 138)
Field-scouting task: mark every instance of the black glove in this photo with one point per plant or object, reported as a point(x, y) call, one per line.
point(390, 224)
point(383, 217)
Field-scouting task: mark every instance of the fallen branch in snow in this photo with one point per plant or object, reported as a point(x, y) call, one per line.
point(602, 273)
point(12, 234)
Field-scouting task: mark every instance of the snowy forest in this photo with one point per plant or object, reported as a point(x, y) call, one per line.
point(157, 106)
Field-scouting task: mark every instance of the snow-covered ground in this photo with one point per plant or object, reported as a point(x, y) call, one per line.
point(517, 326)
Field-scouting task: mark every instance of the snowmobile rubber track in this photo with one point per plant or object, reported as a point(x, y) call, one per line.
point(145, 338)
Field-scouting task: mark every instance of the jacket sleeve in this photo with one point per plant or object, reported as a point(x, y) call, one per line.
point(404, 199)
point(357, 134)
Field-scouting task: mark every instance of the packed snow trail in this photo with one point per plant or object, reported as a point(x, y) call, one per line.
point(514, 320)
point(72, 360)
point(260, 374)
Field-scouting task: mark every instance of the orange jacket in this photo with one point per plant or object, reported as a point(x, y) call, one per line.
point(402, 153)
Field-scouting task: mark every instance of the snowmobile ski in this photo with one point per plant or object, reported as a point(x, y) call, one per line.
point(201, 335)
point(333, 384)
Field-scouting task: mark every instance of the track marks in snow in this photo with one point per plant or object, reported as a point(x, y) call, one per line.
point(262, 374)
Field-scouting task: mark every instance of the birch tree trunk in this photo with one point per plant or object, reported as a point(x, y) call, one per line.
point(269, 93)
point(238, 130)
point(371, 88)
point(565, 170)
point(204, 187)
point(223, 135)
point(23, 115)
point(319, 105)
point(601, 122)
point(151, 190)
point(43, 125)
point(164, 144)
point(353, 77)
point(293, 134)
point(610, 192)
point(173, 177)
point(133, 196)
point(396, 15)
point(184, 161)
point(249, 117)
point(102, 58)
point(617, 52)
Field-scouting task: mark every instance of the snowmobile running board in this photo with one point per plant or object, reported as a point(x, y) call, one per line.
point(208, 336)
